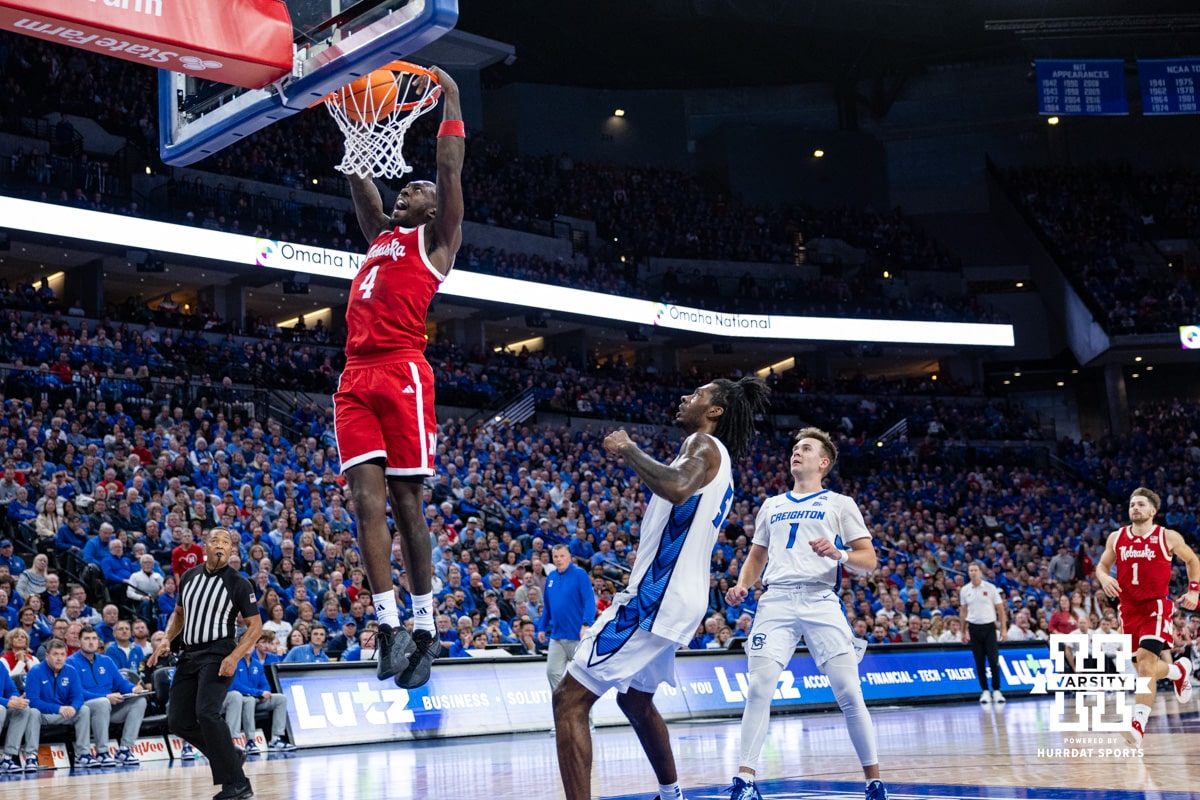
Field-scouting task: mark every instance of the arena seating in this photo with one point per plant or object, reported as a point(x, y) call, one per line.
point(959, 488)
point(934, 502)
point(1102, 223)
point(506, 189)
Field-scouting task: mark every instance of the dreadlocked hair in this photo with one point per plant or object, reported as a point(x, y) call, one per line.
point(742, 400)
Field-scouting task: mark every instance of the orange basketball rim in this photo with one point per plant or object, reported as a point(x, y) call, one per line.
point(375, 112)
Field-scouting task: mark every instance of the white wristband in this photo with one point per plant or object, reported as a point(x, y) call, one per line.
point(844, 557)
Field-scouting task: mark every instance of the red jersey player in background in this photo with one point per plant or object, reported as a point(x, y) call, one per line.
point(383, 408)
point(1143, 552)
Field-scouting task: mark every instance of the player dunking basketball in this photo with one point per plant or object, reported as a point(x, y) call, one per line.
point(383, 408)
point(807, 534)
point(1142, 552)
point(631, 647)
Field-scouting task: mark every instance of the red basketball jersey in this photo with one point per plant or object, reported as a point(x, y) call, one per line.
point(1143, 565)
point(389, 299)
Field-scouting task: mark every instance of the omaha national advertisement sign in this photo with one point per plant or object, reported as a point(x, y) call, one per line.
point(260, 253)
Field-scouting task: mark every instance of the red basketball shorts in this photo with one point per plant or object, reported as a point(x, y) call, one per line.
point(386, 411)
point(1148, 619)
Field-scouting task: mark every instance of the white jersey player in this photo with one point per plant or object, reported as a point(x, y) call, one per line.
point(805, 539)
point(631, 646)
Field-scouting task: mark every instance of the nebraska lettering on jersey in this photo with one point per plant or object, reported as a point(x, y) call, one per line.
point(1143, 564)
point(389, 299)
point(386, 249)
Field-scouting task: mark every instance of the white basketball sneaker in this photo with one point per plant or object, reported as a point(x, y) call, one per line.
point(1135, 734)
point(1183, 684)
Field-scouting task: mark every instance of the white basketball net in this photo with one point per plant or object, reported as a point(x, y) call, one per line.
point(374, 145)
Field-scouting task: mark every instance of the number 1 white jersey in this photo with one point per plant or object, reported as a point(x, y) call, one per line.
point(785, 525)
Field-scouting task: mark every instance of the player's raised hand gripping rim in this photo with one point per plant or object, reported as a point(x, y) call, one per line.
point(439, 205)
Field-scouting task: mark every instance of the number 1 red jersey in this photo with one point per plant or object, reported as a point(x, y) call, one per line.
point(389, 299)
point(1143, 565)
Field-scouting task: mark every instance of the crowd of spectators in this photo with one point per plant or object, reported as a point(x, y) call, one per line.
point(1096, 219)
point(58, 358)
point(773, 292)
point(115, 461)
point(94, 486)
point(60, 362)
point(40, 78)
point(611, 388)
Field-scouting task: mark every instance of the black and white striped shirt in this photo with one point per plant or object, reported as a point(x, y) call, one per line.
point(211, 602)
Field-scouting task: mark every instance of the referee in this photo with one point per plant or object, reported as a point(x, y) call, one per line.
point(983, 607)
point(210, 597)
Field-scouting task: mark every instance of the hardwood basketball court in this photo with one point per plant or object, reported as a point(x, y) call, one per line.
point(942, 751)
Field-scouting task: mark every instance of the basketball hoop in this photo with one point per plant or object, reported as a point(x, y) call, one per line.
point(376, 111)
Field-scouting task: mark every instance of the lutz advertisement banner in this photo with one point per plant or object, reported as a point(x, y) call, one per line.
point(329, 703)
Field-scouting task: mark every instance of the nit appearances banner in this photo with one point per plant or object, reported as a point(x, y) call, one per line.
point(1169, 85)
point(329, 704)
point(1084, 88)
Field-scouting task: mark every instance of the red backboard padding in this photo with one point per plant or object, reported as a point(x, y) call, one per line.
point(240, 42)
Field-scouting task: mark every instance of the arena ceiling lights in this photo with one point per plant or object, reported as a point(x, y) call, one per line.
point(257, 253)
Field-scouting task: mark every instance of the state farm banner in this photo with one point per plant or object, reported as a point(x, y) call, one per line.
point(240, 42)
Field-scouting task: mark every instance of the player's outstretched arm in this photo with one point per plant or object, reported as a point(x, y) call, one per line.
point(451, 149)
point(368, 206)
point(748, 575)
point(1190, 560)
point(1103, 569)
point(675, 482)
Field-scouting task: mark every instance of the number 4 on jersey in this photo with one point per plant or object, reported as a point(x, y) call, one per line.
point(369, 282)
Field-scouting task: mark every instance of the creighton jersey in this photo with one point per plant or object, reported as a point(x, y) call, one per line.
point(668, 590)
point(785, 525)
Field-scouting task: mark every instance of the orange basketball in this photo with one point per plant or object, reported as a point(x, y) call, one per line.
point(370, 98)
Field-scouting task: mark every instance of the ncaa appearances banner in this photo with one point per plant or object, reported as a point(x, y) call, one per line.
point(164, 237)
point(329, 704)
point(1169, 86)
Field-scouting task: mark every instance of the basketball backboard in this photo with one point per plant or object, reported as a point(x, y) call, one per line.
point(336, 42)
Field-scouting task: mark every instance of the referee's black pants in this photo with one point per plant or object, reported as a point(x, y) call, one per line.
point(983, 645)
point(194, 714)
